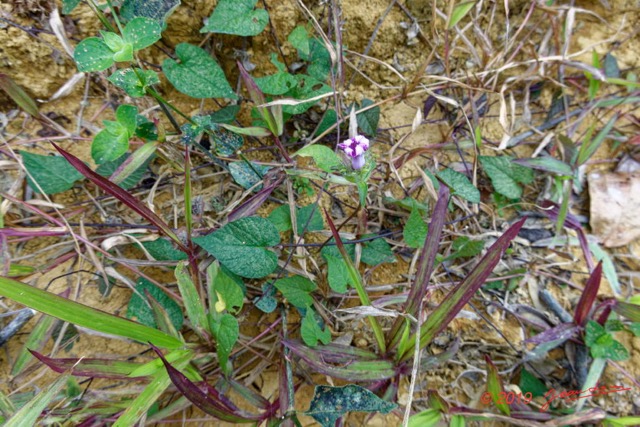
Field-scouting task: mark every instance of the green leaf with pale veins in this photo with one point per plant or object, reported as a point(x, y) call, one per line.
point(158, 10)
point(280, 217)
point(242, 246)
point(278, 83)
point(140, 309)
point(415, 230)
point(296, 290)
point(197, 74)
point(318, 58)
point(325, 158)
point(460, 185)
point(307, 87)
point(54, 174)
point(113, 141)
point(163, 250)
point(134, 83)
point(141, 33)
point(375, 252)
point(69, 5)
point(238, 17)
point(368, 120)
point(505, 175)
point(337, 273)
point(310, 214)
point(331, 403)
point(299, 38)
point(248, 175)
point(311, 331)
point(229, 294)
point(92, 54)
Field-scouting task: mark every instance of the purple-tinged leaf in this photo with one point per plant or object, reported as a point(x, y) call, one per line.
point(253, 398)
point(552, 211)
point(258, 98)
point(426, 263)
point(94, 368)
point(495, 388)
point(355, 370)
point(463, 292)
point(546, 164)
point(563, 331)
point(588, 297)
point(205, 397)
point(123, 195)
point(250, 207)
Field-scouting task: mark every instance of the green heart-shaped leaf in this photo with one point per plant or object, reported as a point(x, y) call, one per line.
point(92, 54)
point(237, 17)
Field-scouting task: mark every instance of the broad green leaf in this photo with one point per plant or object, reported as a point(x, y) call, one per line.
point(460, 185)
point(311, 332)
point(28, 415)
point(331, 403)
point(113, 141)
point(190, 298)
point(69, 5)
point(602, 344)
point(634, 327)
point(134, 83)
point(329, 119)
point(225, 114)
point(547, 164)
point(52, 173)
point(278, 83)
point(158, 10)
point(318, 58)
point(247, 175)
point(310, 214)
point(228, 294)
point(113, 41)
point(280, 217)
point(611, 68)
point(82, 315)
point(142, 32)
point(299, 38)
point(197, 74)
point(140, 309)
point(162, 250)
point(307, 87)
point(325, 158)
point(376, 252)
point(237, 17)
point(241, 246)
point(459, 12)
point(226, 331)
point(368, 120)
point(415, 230)
point(337, 275)
point(223, 141)
point(506, 175)
point(296, 290)
point(531, 384)
point(92, 54)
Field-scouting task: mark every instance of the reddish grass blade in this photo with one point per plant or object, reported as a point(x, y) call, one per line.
point(123, 195)
point(461, 294)
point(94, 368)
point(426, 263)
point(250, 207)
point(495, 388)
point(588, 297)
point(563, 332)
point(206, 397)
point(345, 366)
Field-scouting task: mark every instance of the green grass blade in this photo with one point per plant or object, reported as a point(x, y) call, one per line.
point(590, 146)
point(28, 415)
point(145, 400)
point(192, 303)
point(82, 315)
point(37, 339)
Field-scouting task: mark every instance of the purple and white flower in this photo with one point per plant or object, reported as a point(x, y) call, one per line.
point(355, 148)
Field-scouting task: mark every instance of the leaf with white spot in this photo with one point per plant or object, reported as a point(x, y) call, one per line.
point(142, 32)
point(237, 17)
point(92, 54)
